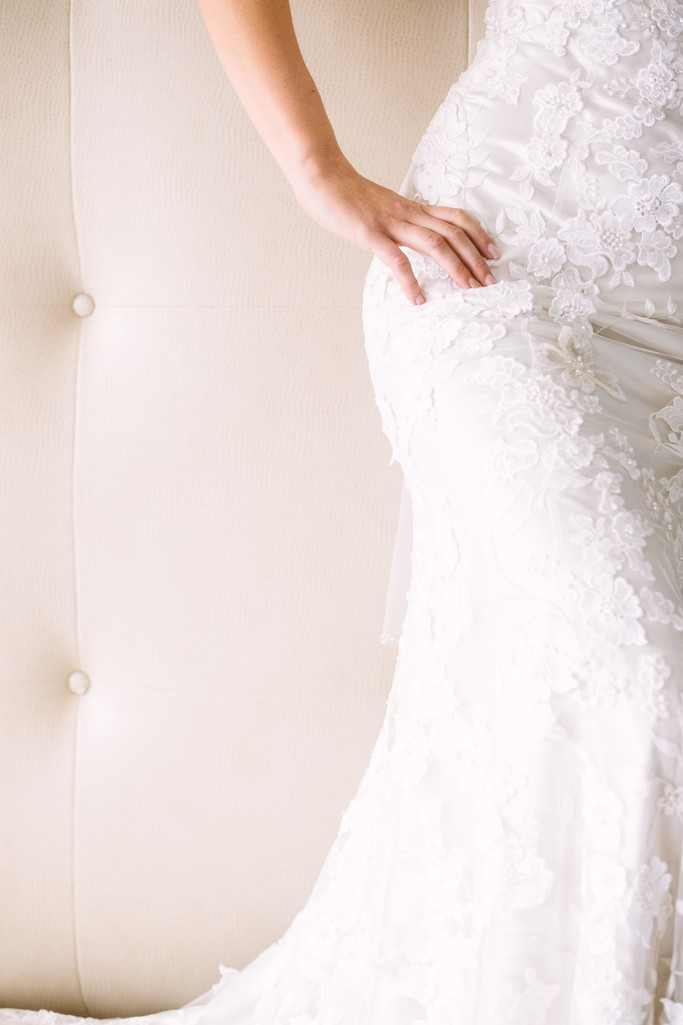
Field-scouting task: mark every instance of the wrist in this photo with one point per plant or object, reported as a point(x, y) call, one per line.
point(311, 169)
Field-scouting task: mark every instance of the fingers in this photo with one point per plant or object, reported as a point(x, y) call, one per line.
point(397, 262)
point(454, 250)
point(452, 237)
point(462, 219)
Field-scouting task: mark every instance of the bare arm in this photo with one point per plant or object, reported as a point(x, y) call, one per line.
point(257, 46)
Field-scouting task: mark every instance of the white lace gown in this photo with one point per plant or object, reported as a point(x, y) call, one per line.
point(513, 854)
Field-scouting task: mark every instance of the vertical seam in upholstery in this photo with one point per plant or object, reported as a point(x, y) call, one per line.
point(71, 143)
point(77, 964)
point(74, 783)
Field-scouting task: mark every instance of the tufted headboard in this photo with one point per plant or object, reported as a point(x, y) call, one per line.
point(197, 510)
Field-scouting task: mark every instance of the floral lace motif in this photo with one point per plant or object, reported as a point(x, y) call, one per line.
point(541, 419)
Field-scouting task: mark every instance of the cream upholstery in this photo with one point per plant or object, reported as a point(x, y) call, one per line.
point(198, 509)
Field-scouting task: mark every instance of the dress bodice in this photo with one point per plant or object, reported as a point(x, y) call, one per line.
point(564, 137)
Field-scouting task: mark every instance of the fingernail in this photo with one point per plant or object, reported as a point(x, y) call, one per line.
point(494, 252)
point(419, 300)
point(490, 280)
point(474, 283)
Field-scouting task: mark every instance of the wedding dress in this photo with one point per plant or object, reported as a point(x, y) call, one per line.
point(513, 853)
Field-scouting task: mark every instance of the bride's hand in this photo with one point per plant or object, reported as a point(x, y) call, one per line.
point(380, 220)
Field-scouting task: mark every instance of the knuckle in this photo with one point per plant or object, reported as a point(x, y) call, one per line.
point(400, 261)
point(456, 235)
point(435, 241)
point(369, 230)
point(456, 211)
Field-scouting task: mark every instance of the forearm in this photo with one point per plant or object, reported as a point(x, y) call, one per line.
point(257, 46)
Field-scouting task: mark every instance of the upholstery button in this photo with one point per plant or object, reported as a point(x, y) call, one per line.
point(83, 304)
point(78, 683)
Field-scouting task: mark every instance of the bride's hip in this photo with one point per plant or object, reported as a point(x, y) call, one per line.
point(470, 368)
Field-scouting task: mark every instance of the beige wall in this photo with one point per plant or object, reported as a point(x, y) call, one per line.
point(198, 509)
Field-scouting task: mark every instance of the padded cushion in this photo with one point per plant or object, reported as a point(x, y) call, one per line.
point(198, 509)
